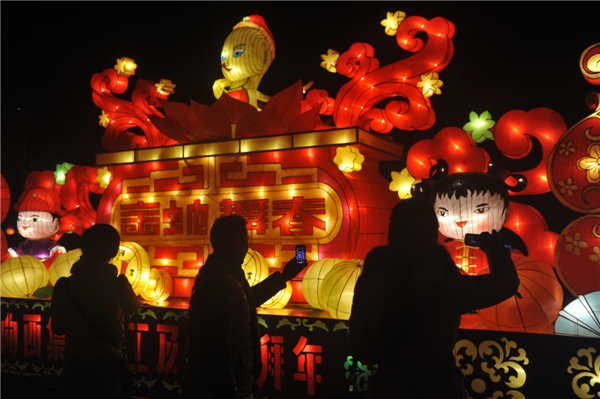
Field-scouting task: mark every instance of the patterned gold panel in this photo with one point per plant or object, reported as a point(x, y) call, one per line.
point(586, 382)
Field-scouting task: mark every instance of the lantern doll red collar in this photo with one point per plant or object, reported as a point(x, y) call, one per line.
point(38, 219)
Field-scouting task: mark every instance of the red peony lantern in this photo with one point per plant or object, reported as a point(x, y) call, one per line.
point(537, 307)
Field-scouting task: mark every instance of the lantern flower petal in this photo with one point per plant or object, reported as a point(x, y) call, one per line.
point(567, 186)
point(348, 159)
point(392, 22)
point(595, 256)
point(479, 126)
point(566, 148)
point(402, 183)
point(430, 84)
point(330, 60)
point(61, 172)
point(574, 244)
point(104, 121)
point(591, 163)
point(103, 177)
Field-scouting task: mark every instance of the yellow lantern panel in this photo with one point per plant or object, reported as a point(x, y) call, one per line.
point(136, 267)
point(255, 267)
point(338, 288)
point(62, 265)
point(279, 300)
point(20, 277)
point(160, 285)
point(312, 282)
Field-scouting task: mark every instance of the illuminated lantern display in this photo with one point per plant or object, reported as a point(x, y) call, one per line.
point(132, 261)
point(247, 54)
point(255, 267)
point(589, 63)
point(5, 206)
point(159, 286)
point(279, 300)
point(338, 288)
point(581, 317)
point(61, 267)
point(22, 276)
point(537, 307)
point(577, 255)
point(348, 159)
point(39, 218)
point(312, 282)
point(574, 164)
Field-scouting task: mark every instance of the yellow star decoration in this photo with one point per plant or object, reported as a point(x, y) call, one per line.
point(330, 60)
point(165, 87)
point(103, 177)
point(392, 22)
point(348, 159)
point(125, 67)
point(402, 183)
point(104, 121)
point(430, 84)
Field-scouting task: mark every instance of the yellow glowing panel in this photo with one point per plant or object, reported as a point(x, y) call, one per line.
point(266, 143)
point(342, 136)
point(115, 158)
point(380, 144)
point(209, 149)
point(156, 154)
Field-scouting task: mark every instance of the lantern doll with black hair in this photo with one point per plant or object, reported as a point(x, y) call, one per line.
point(475, 202)
point(247, 54)
point(39, 218)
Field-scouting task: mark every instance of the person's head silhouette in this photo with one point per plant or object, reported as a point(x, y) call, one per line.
point(100, 243)
point(413, 221)
point(229, 238)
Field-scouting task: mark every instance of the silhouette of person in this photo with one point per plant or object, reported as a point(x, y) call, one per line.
point(224, 342)
point(95, 367)
point(408, 303)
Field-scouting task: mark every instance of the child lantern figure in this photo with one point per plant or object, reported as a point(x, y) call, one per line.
point(247, 54)
point(39, 218)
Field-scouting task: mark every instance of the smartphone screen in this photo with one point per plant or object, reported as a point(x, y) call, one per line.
point(301, 253)
point(472, 239)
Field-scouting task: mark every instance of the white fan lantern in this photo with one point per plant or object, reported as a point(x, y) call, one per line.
point(581, 317)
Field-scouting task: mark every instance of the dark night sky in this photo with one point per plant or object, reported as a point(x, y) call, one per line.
point(508, 55)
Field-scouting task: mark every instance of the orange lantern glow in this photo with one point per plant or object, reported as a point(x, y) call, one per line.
point(160, 285)
point(132, 260)
point(255, 267)
point(537, 307)
point(61, 267)
point(338, 288)
point(279, 300)
point(312, 282)
point(20, 277)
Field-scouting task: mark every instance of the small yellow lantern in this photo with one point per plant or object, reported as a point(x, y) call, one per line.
point(132, 261)
point(255, 267)
point(312, 283)
point(338, 288)
point(20, 277)
point(62, 265)
point(348, 159)
point(279, 300)
point(159, 286)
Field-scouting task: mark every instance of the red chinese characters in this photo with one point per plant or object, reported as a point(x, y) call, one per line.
point(10, 335)
point(254, 211)
point(169, 347)
point(174, 217)
point(271, 351)
point(56, 344)
point(139, 328)
point(141, 218)
point(308, 356)
point(298, 216)
point(32, 335)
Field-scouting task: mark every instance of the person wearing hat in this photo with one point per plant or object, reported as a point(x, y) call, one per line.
point(247, 54)
point(39, 218)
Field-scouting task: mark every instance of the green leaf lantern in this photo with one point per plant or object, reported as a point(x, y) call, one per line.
point(479, 126)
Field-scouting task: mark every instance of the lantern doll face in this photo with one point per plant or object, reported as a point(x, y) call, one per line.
point(473, 214)
point(36, 225)
point(246, 53)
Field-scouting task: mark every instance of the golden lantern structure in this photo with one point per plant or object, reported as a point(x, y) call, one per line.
point(21, 276)
point(312, 282)
point(62, 265)
point(255, 267)
point(279, 300)
point(132, 261)
point(160, 285)
point(338, 288)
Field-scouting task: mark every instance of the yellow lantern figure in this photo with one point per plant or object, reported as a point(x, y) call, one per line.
point(312, 283)
point(62, 265)
point(338, 288)
point(247, 54)
point(255, 267)
point(159, 286)
point(279, 300)
point(137, 265)
point(20, 277)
